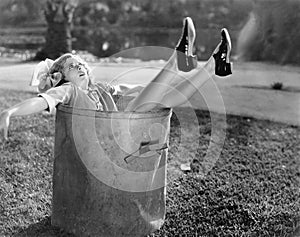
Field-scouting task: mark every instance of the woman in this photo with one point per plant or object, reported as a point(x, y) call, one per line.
point(67, 80)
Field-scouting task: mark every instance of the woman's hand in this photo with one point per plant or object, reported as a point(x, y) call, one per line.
point(27, 107)
point(133, 90)
point(4, 123)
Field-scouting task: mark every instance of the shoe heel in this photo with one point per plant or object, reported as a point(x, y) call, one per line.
point(221, 57)
point(186, 62)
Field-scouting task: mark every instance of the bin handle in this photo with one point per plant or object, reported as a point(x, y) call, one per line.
point(146, 146)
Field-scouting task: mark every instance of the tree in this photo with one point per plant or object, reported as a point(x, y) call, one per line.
point(59, 17)
point(272, 32)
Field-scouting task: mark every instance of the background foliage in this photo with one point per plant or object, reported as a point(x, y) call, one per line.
point(105, 27)
point(277, 37)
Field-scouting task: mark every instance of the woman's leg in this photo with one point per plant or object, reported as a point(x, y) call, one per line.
point(154, 92)
point(179, 94)
point(218, 64)
point(182, 59)
point(161, 93)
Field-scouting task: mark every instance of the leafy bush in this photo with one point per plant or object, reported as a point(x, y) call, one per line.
point(276, 32)
point(25, 12)
point(127, 24)
point(277, 85)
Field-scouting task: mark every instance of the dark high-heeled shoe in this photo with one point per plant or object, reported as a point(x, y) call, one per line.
point(222, 54)
point(186, 61)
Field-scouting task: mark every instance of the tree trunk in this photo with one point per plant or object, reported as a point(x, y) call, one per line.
point(59, 16)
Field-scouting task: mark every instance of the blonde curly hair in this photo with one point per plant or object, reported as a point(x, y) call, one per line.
point(59, 65)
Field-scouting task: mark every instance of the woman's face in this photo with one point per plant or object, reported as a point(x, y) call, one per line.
point(76, 73)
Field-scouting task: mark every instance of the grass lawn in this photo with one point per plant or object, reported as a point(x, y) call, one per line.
point(253, 189)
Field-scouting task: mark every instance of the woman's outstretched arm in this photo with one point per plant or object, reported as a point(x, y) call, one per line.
point(27, 107)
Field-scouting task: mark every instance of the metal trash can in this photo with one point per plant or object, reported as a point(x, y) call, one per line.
point(109, 175)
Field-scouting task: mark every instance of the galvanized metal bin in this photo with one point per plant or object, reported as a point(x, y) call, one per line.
point(109, 174)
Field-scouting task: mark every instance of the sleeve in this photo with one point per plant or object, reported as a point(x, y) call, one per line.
point(57, 95)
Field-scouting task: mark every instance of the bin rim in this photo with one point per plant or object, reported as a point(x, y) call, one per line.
point(155, 113)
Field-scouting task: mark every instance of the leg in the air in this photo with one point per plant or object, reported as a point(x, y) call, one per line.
point(163, 92)
point(182, 59)
point(218, 64)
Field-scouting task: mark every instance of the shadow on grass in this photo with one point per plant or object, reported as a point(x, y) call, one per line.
point(43, 229)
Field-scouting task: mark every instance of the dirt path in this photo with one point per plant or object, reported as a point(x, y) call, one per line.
point(245, 93)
